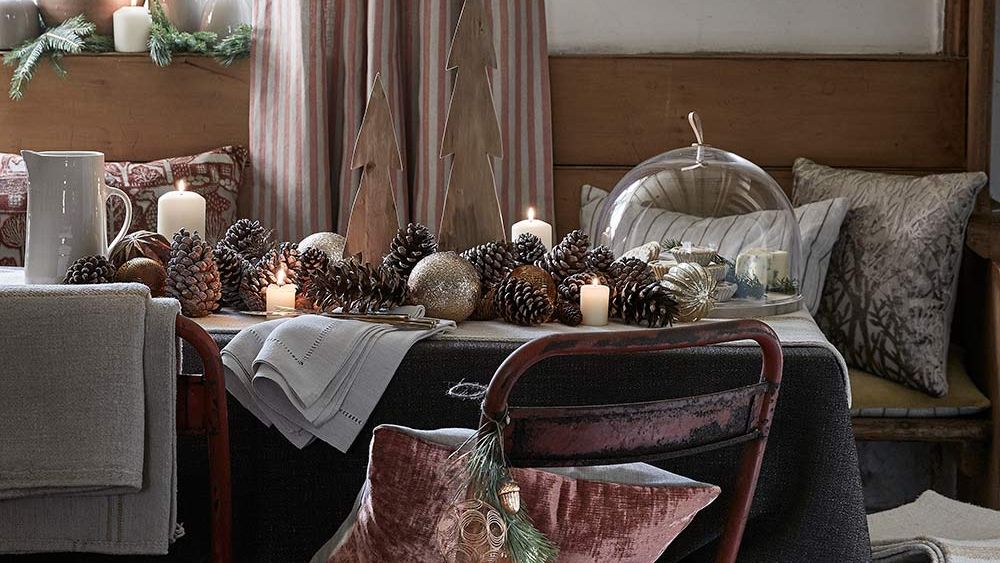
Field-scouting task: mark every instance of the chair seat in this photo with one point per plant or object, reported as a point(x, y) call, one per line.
point(876, 397)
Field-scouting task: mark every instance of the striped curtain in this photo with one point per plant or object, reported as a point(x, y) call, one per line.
point(313, 64)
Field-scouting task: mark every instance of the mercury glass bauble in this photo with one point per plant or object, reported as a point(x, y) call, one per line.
point(446, 284)
point(693, 288)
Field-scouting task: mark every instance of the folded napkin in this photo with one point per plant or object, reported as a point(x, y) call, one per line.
point(318, 377)
point(935, 529)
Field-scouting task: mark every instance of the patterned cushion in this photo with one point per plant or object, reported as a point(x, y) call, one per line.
point(890, 290)
point(618, 513)
point(819, 226)
point(216, 175)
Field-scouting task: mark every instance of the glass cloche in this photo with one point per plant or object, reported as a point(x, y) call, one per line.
point(705, 205)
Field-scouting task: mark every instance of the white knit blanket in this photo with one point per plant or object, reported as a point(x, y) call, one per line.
point(935, 529)
point(87, 396)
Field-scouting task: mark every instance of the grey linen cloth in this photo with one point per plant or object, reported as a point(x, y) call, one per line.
point(935, 529)
point(87, 431)
point(317, 377)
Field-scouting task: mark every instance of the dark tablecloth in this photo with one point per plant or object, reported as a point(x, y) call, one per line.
point(808, 506)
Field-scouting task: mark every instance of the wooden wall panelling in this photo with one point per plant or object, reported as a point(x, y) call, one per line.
point(856, 112)
point(128, 108)
point(956, 27)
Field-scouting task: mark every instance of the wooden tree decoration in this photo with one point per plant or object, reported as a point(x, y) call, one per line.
point(373, 220)
point(471, 213)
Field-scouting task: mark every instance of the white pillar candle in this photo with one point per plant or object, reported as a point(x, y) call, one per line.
point(180, 209)
point(280, 296)
point(754, 263)
point(533, 226)
point(131, 28)
point(594, 303)
point(778, 266)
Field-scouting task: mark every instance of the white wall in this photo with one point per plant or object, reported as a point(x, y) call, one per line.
point(799, 26)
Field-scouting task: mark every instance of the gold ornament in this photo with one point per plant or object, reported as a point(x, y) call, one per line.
point(538, 277)
point(446, 284)
point(471, 531)
point(146, 271)
point(486, 310)
point(331, 243)
point(510, 496)
point(693, 288)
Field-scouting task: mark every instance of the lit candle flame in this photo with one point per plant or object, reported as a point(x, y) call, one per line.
point(595, 281)
point(181, 185)
point(280, 277)
point(531, 213)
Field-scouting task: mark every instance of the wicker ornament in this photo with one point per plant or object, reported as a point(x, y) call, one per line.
point(248, 238)
point(356, 286)
point(230, 266)
point(140, 244)
point(600, 258)
point(650, 305)
point(529, 248)
point(331, 244)
point(493, 260)
point(539, 278)
point(447, 285)
point(471, 531)
point(485, 309)
point(630, 270)
point(569, 289)
point(693, 288)
point(521, 302)
point(146, 271)
point(412, 243)
point(569, 313)
point(510, 496)
point(192, 277)
point(90, 269)
point(568, 257)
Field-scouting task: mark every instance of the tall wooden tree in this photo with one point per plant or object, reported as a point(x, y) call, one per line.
point(373, 220)
point(471, 213)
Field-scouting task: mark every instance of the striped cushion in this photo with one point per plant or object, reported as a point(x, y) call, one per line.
point(819, 226)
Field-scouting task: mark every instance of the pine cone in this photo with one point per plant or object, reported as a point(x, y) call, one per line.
point(648, 304)
point(230, 266)
point(409, 246)
point(600, 258)
point(569, 313)
point(569, 289)
point(140, 244)
point(630, 270)
point(90, 269)
point(486, 309)
point(311, 261)
point(356, 286)
point(493, 260)
point(568, 257)
point(248, 238)
point(256, 276)
point(529, 248)
point(192, 277)
point(518, 301)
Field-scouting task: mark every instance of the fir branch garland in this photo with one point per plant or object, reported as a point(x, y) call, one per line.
point(73, 36)
point(234, 47)
point(165, 40)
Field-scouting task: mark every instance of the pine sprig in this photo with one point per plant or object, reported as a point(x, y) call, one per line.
point(73, 36)
point(234, 47)
point(165, 40)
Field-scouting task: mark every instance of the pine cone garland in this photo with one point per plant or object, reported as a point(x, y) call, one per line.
point(529, 248)
point(248, 238)
point(356, 286)
point(569, 313)
point(90, 269)
point(569, 289)
point(410, 245)
point(230, 266)
point(626, 271)
point(493, 260)
point(192, 277)
point(649, 305)
point(600, 258)
point(520, 302)
point(568, 257)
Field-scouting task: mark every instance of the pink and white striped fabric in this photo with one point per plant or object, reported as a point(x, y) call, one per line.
point(313, 63)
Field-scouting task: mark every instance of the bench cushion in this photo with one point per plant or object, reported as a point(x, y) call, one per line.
point(874, 396)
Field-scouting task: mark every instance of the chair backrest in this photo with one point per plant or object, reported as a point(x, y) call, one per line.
point(651, 430)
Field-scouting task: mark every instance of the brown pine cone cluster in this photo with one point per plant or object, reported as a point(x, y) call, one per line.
point(529, 248)
point(569, 289)
point(649, 304)
point(280, 265)
point(630, 270)
point(248, 238)
point(410, 245)
point(568, 257)
point(356, 286)
point(569, 313)
point(230, 266)
point(521, 302)
point(192, 277)
point(236, 254)
point(600, 258)
point(493, 260)
point(90, 270)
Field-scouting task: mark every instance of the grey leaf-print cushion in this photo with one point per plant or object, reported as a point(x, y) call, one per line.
point(890, 288)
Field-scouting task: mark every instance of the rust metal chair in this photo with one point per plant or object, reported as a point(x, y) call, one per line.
point(201, 411)
point(645, 431)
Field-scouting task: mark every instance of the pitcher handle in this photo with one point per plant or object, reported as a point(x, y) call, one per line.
point(128, 213)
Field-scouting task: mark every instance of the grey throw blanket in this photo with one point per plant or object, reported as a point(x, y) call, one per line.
point(87, 392)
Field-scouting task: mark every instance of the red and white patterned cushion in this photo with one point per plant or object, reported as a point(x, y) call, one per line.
point(216, 175)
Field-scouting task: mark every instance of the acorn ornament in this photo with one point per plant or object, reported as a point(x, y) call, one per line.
point(692, 287)
point(510, 496)
point(146, 271)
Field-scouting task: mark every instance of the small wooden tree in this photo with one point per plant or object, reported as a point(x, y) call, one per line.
point(471, 213)
point(373, 220)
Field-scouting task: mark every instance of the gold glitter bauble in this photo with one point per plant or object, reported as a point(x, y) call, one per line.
point(331, 243)
point(146, 271)
point(693, 288)
point(446, 284)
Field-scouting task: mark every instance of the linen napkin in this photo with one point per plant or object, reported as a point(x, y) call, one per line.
point(935, 529)
point(318, 377)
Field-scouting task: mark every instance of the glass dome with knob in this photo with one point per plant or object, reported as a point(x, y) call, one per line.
point(706, 205)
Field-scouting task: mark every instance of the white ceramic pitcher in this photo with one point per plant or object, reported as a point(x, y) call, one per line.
point(67, 212)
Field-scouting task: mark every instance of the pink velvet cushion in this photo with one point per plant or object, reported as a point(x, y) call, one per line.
point(216, 175)
point(621, 513)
